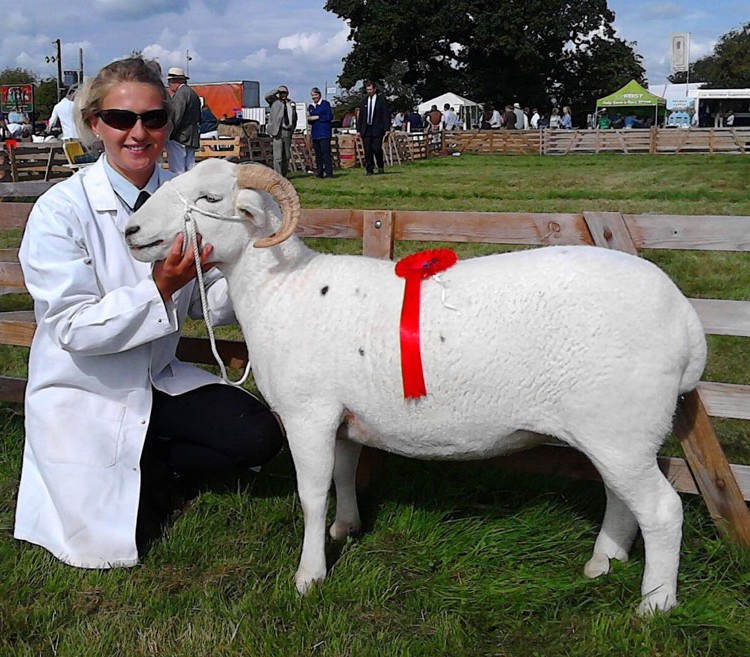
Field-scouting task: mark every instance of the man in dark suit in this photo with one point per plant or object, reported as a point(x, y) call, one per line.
point(373, 124)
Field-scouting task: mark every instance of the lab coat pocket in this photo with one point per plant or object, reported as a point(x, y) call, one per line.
point(86, 432)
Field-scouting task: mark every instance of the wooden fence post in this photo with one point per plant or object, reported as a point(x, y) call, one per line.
point(703, 451)
point(377, 242)
point(711, 470)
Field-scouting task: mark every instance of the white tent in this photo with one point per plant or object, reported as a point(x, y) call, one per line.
point(467, 110)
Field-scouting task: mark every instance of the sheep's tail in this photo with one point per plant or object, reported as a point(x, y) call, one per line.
point(259, 176)
point(697, 351)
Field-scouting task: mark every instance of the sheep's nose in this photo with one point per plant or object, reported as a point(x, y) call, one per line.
point(132, 230)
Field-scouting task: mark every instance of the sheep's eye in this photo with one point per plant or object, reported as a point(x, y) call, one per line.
point(211, 199)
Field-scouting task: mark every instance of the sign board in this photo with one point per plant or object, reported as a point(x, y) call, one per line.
point(723, 93)
point(70, 78)
point(679, 103)
point(17, 98)
point(680, 51)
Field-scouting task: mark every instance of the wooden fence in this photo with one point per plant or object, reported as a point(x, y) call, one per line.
point(28, 161)
point(704, 470)
point(565, 142)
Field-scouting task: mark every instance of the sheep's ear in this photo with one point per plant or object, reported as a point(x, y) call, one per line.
point(251, 202)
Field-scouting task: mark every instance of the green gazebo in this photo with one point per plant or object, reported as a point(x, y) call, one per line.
point(632, 95)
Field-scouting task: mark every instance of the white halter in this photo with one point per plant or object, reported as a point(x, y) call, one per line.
point(189, 233)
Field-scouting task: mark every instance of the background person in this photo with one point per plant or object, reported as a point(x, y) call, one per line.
point(413, 121)
point(373, 124)
point(185, 138)
point(281, 123)
point(566, 119)
point(209, 127)
point(110, 413)
point(63, 113)
point(320, 116)
point(450, 118)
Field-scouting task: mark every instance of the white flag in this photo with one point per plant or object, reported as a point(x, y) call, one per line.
point(680, 51)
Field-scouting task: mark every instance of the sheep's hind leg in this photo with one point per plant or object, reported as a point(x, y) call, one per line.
point(313, 453)
point(638, 482)
point(619, 528)
point(347, 521)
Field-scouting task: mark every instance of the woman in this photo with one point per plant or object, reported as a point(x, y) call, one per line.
point(554, 119)
point(111, 414)
point(566, 120)
point(320, 115)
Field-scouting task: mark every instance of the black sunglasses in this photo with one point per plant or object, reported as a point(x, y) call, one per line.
point(120, 119)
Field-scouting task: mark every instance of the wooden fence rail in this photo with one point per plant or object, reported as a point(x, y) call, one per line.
point(725, 487)
point(565, 142)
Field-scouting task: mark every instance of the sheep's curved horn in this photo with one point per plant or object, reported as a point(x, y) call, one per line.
point(259, 176)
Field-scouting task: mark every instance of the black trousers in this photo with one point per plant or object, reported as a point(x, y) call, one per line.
point(373, 152)
point(323, 163)
point(208, 430)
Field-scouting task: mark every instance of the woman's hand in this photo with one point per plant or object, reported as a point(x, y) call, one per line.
point(178, 268)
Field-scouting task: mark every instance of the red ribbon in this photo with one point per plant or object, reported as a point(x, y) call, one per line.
point(414, 269)
point(10, 144)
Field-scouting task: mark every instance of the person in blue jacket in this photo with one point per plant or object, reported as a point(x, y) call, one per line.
point(320, 115)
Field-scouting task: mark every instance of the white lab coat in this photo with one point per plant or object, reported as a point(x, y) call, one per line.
point(64, 112)
point(103, 337)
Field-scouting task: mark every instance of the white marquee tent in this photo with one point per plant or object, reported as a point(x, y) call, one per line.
point(466, 109)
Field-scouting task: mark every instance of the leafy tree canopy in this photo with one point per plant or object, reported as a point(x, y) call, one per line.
point(531, 51)
point(728, 67)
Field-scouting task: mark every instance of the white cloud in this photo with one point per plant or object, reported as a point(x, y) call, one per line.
point(256, 59)
point(300, 42)
point(315, 45)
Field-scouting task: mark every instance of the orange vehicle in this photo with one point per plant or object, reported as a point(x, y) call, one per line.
point(228, 99)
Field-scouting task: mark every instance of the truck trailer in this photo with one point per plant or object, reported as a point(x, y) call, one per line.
point(227, 100)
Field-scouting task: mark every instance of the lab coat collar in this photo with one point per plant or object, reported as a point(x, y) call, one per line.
point(98, 188)
point(125, 189)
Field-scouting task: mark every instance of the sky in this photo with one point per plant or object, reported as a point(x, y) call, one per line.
point(292, 42)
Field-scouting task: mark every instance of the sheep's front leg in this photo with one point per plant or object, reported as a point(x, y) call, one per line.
point(313, 453)
point(347, 521)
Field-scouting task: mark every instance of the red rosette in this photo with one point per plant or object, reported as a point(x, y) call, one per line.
point(426, 263)
point(10, 144)
point(414, 269)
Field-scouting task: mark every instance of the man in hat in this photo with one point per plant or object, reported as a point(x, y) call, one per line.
point(282, 120)
point(185, 137)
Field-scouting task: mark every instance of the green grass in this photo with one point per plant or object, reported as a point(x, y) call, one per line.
point(456, 559)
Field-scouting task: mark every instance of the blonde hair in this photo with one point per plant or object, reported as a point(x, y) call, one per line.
point(91, 95)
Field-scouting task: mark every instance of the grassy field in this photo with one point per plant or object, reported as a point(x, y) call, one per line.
point(456, 559)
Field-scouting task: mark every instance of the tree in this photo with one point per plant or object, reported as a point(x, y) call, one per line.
point(45, 97)
point(17, 76)
point(728, 67)
point(530, 50)
point(601, 68)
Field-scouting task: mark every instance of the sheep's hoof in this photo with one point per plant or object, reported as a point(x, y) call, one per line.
point(339, 531)
point(597, 566)
point(657, 602)
point(304, 583)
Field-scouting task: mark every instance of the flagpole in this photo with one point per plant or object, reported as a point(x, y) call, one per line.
point(687, 76)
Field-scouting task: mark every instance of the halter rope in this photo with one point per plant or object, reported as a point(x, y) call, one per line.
point(190, 234)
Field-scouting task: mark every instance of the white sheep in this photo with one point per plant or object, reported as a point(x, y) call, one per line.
point(585, 344)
